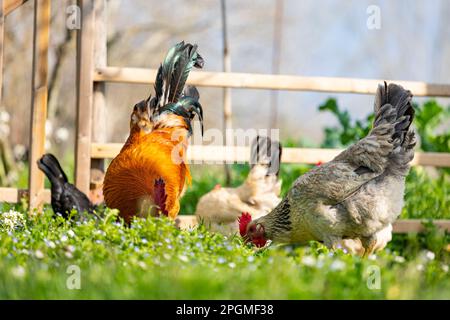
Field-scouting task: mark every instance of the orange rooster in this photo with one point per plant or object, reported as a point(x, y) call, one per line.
point(149, 174)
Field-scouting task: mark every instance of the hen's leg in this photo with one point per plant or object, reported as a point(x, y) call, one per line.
point(332, 242)
point(368, 244)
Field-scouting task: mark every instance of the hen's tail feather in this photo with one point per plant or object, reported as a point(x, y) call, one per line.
point(393, 105)
point(52, 169)
point(266, 151)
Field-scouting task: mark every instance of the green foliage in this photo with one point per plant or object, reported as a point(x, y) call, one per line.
point(426, 197)
point(429, 118)
point(348, 131)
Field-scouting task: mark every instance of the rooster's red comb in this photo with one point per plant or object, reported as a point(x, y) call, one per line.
point(244, 220)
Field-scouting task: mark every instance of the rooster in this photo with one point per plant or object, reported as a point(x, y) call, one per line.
point(357, 195)
point(64, 196)
point(149, 174)
point(258, 195)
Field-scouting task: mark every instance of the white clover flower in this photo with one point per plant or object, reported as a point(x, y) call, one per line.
point(309, 261)
point(372, 257)
point(18, 272)
point(232, 265)
point(39, 254)
point(64, 238)
point(337, 265)
point(68, 255)
point(50, 244)
point(250, 259)
point(399, 259)
point(419, 267)
point(71, 233)
point(11, 220)
point(445, 268)
point(430, 255)
point(426, 256)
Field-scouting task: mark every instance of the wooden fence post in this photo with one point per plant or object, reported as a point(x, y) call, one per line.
point(85, 70)
point(227, 109)
point(41, 34)
point(99, 128)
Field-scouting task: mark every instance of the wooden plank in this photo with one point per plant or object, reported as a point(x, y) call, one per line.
point(416, 225)
point(13, 195)
point(233, 154)
point(41, 36)
point(269, 81)
point(85, 65)
point(11, 5)
point(400, 226)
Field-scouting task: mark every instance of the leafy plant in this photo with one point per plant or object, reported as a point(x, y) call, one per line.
point(348, 130)
point(429, 118)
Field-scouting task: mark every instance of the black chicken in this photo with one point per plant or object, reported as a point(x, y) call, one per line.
point(65, 196)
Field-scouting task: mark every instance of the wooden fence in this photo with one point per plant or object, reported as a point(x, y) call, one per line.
point(93, 72)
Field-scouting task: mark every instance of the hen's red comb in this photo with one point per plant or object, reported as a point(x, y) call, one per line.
point(244, 220)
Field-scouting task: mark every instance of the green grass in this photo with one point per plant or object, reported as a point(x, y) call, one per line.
point(154, 260)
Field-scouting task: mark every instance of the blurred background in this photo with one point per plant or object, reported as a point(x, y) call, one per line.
point(317, 38)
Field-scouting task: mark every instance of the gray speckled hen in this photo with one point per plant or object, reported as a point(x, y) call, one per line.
point(358, 194)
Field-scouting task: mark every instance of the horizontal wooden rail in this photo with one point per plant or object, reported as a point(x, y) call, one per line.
point(11, 5)
point(269, 81)
point(13, 195)
point(400, 226)
point(220, 154)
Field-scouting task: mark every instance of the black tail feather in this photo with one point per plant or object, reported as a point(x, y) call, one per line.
point(52, 169)
point(173, 73)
